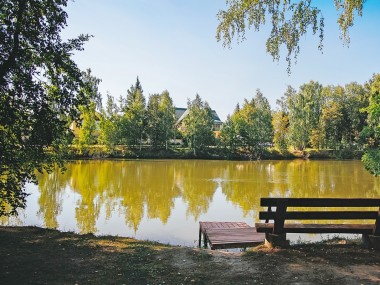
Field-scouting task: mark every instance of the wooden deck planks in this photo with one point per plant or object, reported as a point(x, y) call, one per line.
point(229, 235)
point(223, 225)
point(234, 238)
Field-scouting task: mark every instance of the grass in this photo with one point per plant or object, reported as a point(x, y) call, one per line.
point(31, 255)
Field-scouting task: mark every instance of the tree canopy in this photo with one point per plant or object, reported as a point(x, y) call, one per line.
point(290, 20)
point(197, 125)
point(41, 89)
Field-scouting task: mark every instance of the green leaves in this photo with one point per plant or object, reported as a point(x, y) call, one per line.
point(40, 92)
point(197, 125)
point(160, 119)
point(371, 160)
point(250, 127)
point(290, 21)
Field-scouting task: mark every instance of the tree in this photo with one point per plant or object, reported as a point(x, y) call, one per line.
point(290, 21)
point(168, 119)
point(254, 124)
point(280, 125)
point(229, 135)
point(304, 113)
point(134, 119)
point(132, 93)
point(154, 128)
point(332, 121)
point(341, 120)
point(160, 119)
point(371, 158)
point(356, 100)
point(198, 124)
point(40, 92)
point(263, 124)
point(86, 135)
point(109, 127)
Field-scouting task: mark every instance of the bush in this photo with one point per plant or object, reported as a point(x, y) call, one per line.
point(371, 160)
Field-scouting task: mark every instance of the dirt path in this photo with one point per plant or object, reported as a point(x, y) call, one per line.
point(36, 256)
point(312, 264)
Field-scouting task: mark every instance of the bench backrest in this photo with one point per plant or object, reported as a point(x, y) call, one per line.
point(281, 214)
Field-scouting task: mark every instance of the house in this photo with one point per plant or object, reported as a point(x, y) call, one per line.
point(76, 129)
point(181, 113)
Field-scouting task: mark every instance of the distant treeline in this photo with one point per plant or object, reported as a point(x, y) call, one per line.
point(339, 119)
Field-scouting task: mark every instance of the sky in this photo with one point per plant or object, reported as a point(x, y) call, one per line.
point(171, 45)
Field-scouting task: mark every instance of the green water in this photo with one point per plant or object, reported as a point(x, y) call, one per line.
point(165, 199)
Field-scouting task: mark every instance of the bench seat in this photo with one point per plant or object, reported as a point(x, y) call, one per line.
point(318, 228)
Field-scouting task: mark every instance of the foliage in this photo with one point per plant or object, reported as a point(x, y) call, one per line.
point(229, 134)
point(89, 115)
point(325, 117)
point(371, 158)
point(160, 119)
point(341, 120)
point(332, 123)
point(280, 124)
point(41, 89)
point(367, 137)
point(371, 161)
point(109, 124)
point(86, 134)
point(133, 123)
point(373, 108)
point(290, 21)
point(197, 125)
point(254, 125)
point(356, 98)
point(304, 112)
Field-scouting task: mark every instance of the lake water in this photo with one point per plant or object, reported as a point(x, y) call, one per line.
point(163, 200)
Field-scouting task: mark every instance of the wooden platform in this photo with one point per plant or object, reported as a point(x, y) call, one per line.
point(229, 235)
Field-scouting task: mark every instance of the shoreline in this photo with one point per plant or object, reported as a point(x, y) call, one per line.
point(122, 152)
point(42, 256)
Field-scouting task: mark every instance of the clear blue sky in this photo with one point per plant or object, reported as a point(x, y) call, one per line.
point(171, 45)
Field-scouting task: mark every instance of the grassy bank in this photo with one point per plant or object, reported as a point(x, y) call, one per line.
point(99, 151)
point(38, 256)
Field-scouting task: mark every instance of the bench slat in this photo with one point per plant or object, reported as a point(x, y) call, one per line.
point(319, 228)
point(319, 215)
point(320, 202)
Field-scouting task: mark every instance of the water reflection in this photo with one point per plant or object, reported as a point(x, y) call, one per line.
point(94, 192)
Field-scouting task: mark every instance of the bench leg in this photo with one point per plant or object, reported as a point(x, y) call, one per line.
point(371, 241)
point(200, 237)
point(204, 240)
point(202, 233)
point(272, 240)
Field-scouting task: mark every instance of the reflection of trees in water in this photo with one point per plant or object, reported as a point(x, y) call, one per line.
point(161, 190)
point(126, 187)
point(196, 180)
point(12, 220)
point(137, 188)
point(330, 179)
point(51, 187)
point(245, 183)
point(85, 181)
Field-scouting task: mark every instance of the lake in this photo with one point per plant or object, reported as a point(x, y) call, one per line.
point(163, 200)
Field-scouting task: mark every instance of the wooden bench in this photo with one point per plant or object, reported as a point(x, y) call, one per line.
point(276, 231)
